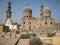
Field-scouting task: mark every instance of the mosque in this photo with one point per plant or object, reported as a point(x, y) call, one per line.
point(43, 24)
point(43, 29)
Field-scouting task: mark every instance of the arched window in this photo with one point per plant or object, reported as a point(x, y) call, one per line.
point(24, 22)
point(27, 16)
point(29, 22)
point(51, 22)
point(45, 23)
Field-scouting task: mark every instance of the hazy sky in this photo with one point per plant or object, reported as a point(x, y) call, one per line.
point(18, 6)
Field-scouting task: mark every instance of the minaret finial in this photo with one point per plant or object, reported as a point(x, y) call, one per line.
point(27, 4)
point(9, 0)
point(9, 10)
point(41, 8)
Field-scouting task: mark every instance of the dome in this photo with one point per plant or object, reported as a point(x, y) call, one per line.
point(46, 9)
point(27, 8)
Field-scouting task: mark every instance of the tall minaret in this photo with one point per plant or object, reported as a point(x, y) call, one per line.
point(8, 12)
point(8, 15)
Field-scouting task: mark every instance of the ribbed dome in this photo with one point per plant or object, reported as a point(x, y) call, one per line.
point(46, 9)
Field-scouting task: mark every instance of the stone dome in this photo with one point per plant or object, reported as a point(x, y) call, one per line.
point(27, 8)
point(46, 9)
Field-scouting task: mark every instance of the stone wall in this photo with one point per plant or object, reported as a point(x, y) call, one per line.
point(23, 42)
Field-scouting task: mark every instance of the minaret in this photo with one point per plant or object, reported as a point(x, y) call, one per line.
point(8, 15)
point(41, 9)
point(8, 12)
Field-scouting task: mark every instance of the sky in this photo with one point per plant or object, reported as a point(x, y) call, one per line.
point(17, 7)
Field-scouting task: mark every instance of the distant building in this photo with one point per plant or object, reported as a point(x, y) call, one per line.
point(4, 29)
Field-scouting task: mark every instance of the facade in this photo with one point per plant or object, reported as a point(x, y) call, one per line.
point(45, 23)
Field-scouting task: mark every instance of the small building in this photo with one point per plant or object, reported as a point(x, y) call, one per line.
point(4, 28)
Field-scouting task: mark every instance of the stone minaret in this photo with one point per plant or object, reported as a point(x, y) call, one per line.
point(41, 9)
point(8, 15)
point(8, 12)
